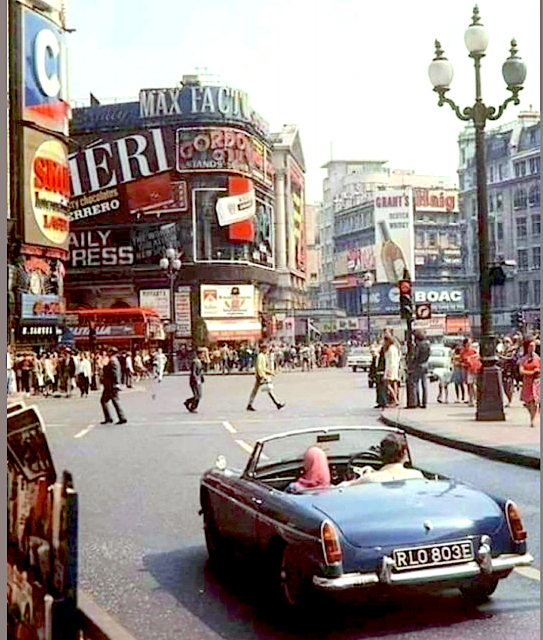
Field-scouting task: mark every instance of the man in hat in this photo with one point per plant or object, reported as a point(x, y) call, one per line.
point(112, 385)
point(196, 381)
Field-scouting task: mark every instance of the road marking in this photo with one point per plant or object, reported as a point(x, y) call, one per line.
point(529, 572)
point(229, 427)
point(85, 431)
point(245, 446)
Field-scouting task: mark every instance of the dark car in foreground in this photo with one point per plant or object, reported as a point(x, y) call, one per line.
point(433, 532)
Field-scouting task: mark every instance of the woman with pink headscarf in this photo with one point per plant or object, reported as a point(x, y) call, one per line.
point(316, 473)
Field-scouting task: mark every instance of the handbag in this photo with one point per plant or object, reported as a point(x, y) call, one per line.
point(267, 386)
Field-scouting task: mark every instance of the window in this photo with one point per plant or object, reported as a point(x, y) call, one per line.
point(420, 240)
point(537, 291)
point(491, 172)
point(522, 168)
point(499, 230)
point(536, 257)
point(536, 225)
point(524, 292)
point(522, 259)
point(534, 196)
point(499, 201)
point(453, 240)
point(432, 240)
point(517, 169)
point(500, 171)
point(522, 228)
point(520, 199)
point(491, 202)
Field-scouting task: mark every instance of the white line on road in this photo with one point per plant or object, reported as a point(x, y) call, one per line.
point(245, 446)
point(529, 572)
point(229, 427)
point(85, 431)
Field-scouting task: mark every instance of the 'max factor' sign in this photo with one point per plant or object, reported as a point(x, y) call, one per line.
point(202, 101)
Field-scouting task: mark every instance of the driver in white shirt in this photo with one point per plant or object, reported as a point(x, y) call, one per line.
point(393, 454)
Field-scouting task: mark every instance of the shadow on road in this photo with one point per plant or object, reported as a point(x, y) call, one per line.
point(236, 604)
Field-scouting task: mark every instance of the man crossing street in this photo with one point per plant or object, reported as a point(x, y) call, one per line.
point(112, 384)
point(263, 375)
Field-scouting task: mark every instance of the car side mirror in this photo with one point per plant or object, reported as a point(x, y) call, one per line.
point(220, 463)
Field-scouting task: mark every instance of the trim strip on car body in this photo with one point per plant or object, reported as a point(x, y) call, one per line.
point(259, 514)
point(422, 576)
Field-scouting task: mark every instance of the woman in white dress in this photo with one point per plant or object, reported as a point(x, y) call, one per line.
point(392, 371)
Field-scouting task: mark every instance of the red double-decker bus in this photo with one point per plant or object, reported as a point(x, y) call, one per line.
point(134, 328)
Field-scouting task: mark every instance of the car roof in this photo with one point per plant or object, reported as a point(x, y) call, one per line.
point(285, 434)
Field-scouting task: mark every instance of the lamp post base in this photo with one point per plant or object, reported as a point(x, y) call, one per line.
point(490, 393)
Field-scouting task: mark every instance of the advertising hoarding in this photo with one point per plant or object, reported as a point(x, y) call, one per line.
point(183, 314)
point(227, 301)
point(436, 200)
point(385, 298)
point(394, 251)
point(47, 190)
point(157, 299)
point(41, 308)
point(45, 78)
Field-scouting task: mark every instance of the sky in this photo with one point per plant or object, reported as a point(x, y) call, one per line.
point(352, 74)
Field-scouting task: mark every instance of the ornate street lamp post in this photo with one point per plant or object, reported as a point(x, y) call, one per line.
point(490, 397)
point(171, 265)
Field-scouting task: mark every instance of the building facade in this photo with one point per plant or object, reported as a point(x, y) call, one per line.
point(192, 169)
point(426, 209)
point(37, 215)
point(514, 214)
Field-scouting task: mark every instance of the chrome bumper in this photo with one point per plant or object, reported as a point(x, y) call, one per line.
point(502, 563)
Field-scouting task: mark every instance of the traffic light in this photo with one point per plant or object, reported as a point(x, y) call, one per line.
point(406, 303)
point(517, 319)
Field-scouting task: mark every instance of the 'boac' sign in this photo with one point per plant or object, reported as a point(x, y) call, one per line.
point(45, 73)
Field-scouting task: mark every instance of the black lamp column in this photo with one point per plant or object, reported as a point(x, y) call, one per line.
point(490, 396)
point(171, 265)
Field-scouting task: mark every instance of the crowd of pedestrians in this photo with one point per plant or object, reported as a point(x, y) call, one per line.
point(64, 371)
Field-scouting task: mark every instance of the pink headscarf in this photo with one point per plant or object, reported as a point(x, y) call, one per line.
point(316, 474)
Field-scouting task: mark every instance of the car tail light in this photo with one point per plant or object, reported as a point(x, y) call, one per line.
point(330, 543)
point(514, 521)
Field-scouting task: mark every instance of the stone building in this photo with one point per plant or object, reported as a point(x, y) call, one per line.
point(514, 214)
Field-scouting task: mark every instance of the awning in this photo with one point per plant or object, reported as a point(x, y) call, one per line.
point(234, 329)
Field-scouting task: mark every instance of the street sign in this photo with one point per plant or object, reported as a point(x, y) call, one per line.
point(423, 311)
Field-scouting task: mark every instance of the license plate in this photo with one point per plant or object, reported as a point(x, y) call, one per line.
point(433, 555)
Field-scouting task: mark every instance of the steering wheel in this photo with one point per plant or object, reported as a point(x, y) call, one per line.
point(371, 454)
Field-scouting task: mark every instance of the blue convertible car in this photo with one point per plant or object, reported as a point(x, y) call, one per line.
point(431, 531)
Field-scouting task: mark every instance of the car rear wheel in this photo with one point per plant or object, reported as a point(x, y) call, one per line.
point(294, 584)
point(354, 368)
point(479, 592)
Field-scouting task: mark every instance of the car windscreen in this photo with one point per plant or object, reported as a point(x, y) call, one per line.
point(337, 443)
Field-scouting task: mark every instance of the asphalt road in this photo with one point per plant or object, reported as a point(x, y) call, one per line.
point(141, 547)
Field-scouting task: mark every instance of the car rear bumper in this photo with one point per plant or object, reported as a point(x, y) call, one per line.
point(503, 564)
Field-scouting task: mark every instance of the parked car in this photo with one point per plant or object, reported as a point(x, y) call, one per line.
point(440, 358)
point(434, 532)
point(359, 358)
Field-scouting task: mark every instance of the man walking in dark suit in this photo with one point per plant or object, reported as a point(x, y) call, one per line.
point(196, 380)
point(112, 384)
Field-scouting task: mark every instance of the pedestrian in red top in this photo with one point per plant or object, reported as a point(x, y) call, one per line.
point(469, 358)
point(530, 369)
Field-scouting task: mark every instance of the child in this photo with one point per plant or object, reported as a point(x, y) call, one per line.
point(444, 378)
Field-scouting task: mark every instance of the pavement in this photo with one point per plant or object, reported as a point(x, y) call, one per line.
point(454, 425)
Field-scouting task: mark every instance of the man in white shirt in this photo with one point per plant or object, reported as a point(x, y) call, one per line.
point(393, 454)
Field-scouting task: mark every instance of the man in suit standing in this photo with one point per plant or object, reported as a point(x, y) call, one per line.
point(112, 384)
point(196, 380)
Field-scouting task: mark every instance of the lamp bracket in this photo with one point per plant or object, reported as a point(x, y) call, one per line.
point(466, 115)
